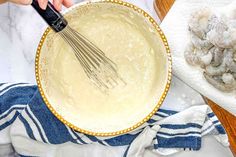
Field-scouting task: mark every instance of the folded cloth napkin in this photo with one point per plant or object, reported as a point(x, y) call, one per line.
point(30, 129)
point(175, 27)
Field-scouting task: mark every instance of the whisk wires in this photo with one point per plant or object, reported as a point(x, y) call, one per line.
point(100, 69)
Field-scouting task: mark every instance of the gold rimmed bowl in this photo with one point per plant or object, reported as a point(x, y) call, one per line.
point(131, 38)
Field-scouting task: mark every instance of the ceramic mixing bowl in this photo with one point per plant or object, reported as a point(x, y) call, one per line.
point(129, 37)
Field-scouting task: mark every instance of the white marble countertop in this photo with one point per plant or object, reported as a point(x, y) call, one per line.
point(20, 31)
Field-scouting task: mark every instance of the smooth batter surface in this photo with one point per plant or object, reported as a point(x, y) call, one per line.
point(128, 40)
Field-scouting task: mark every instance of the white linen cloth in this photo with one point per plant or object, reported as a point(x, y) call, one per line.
point(27, 125)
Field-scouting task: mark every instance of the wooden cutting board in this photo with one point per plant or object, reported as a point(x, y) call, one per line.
point(227, 119)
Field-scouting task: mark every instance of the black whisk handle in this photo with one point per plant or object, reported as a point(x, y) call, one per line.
point(54, 18)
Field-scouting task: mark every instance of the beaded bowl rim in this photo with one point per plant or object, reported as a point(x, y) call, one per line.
point(161, 99)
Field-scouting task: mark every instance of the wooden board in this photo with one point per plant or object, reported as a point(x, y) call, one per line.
point(227, 119)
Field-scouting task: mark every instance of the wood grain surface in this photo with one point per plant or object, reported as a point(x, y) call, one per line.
point(227, 119)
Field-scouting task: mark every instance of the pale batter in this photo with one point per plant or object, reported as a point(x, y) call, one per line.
point(132, 44)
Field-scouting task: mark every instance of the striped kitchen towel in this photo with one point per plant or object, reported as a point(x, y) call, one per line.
point(30, 129)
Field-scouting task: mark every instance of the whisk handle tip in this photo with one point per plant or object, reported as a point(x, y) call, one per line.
point(54, 18)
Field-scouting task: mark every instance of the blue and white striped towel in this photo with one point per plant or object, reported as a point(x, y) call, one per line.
point(30, 129)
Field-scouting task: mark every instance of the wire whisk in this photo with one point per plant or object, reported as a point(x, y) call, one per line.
point(99, 68)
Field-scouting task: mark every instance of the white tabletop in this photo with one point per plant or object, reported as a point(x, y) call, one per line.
point(20, 31)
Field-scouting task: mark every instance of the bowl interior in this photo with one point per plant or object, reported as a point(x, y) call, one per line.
point(129, 37)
